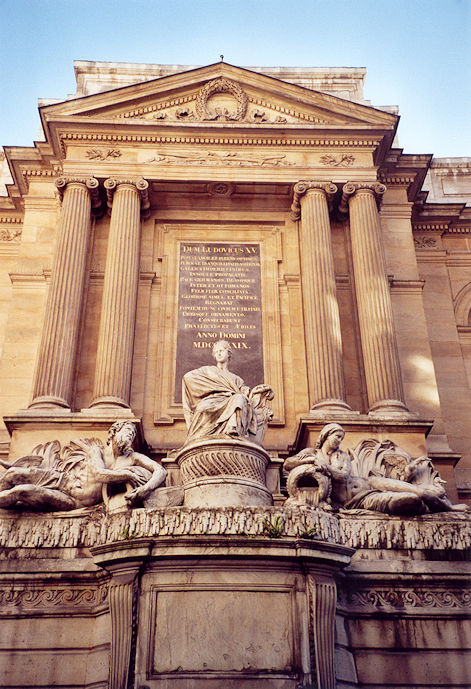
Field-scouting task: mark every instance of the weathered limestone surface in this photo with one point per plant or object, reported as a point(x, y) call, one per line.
point(360, 314)
point(393, 599)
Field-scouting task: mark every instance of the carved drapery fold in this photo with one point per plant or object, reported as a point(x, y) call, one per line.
point(118, 314)
point(322, 603)
point(321, 311)
point(58, 348)
point(380, 355)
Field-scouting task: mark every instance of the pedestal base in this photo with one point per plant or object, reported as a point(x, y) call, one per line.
point(221, 472)
point(225, 491)
point(255, 613)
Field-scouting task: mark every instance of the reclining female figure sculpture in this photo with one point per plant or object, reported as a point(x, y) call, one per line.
point(376, 476)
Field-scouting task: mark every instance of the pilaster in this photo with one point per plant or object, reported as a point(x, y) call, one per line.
point(322, 602)
point(124, 562)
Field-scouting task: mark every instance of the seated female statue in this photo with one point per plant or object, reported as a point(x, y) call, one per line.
point(217, 402)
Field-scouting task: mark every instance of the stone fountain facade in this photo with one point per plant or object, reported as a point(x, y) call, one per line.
point(293, 513)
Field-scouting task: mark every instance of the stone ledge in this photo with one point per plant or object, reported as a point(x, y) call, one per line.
point(362, 530)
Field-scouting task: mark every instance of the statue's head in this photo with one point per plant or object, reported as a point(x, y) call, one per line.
point(222, 346)
point(123, 433)
point(331, 429)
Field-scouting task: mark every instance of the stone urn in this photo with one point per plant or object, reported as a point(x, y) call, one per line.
point(221, 472)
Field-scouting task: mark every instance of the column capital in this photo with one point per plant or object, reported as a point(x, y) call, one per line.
point(90, 183)
point(141, 185)
point(349, 190)
point(300, 188)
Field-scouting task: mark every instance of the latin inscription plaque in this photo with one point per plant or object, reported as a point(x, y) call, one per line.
point(219, 298)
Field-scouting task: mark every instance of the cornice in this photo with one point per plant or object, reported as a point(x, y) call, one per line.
point(405, 170)
point(427, 256)
point(335, 142)
point(444, 228)
point(137, 95)
point(47, 173)
point(156, 107)
point(396, 180)
point(29, 279)
point(459, 229)
point(10, 219)
point(430, 226)
point(407, 286)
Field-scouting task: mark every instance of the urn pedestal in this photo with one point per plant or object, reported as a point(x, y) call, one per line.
point(220, 472)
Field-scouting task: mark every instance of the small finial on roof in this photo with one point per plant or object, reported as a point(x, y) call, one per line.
point(222, 58)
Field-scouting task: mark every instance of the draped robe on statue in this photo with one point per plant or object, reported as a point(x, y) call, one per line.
point(215, 402)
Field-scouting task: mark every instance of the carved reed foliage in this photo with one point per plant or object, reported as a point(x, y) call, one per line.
point(364, 530)
point(415, 598)
point(223, 463)
point(25, 598)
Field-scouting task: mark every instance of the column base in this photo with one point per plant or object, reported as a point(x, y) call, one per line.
point(110, 403)
point(50, 402)
point(332, 406)
point(389, 408)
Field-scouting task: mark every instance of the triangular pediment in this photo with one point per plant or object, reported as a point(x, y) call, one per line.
point(219, 93)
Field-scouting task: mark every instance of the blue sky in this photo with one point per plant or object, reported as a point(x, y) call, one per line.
point(417, 52)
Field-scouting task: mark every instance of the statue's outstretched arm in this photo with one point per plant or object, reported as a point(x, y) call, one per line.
point(159, 474)
point(100, 472)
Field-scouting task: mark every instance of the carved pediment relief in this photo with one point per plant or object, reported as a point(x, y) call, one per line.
point(219, 93)
point(220, 100)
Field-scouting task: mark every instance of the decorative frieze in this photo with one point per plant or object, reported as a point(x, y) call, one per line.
point(406, 597)
point(100, 154)
point(447, 531)
point(425, 242)
point(220, 159)
point(8, 234)
point(345, 160)
point(29, 598)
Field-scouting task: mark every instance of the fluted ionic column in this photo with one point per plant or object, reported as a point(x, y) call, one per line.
point(118, 313)
point(321, 311)
point(58, 348)
point(380, 356)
